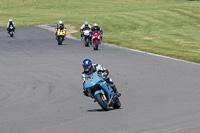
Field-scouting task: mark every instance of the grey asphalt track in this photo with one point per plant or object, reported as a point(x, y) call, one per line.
point(41, 88)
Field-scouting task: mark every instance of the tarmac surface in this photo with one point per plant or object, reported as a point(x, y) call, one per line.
point(41, 88)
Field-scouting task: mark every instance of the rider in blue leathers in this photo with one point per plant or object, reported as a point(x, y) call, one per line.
point(90, 68)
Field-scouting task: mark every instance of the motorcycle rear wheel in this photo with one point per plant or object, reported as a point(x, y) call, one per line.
point(117, 103)
point(101, 102)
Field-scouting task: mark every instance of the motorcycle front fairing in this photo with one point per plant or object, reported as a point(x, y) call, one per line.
point(61, 32)
point(11, 28)
point(86, 32)
point(93, 81)
point(96, 36)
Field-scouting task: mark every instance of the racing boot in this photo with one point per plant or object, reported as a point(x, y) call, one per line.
point(81, 36)
point(115, 90)
point(109, 80)
point(86, 93)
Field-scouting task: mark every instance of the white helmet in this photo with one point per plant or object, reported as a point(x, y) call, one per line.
point(10, 20)
point(60, 22)
point(86, 22)
point(95, 24)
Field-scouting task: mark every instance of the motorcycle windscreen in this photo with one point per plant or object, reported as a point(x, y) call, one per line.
point(92, 80)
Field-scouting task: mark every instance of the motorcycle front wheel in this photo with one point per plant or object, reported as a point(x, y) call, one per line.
point(101, 101)
point(60, 40)
point(87, 42)
point(11, 34)
point(96, 45)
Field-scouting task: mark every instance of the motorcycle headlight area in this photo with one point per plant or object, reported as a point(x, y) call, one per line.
point(96, 87)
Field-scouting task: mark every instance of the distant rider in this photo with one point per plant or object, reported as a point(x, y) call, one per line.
point(96, 28)
point(90, 68)
point(85, 26)
point(60, 26)
point(10, 23)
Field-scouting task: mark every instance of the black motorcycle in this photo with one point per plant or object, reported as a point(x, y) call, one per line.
point(11, 31)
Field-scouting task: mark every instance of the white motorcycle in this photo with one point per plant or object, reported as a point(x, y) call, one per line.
point(86, 37)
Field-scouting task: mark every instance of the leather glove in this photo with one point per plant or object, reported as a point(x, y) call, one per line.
point(85, 92)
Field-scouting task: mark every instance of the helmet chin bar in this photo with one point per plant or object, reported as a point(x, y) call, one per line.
point(88, 69)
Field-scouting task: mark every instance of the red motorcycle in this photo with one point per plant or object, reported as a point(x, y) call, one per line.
point(96, 39)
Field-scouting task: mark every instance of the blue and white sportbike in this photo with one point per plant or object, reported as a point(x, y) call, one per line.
point(101, 91)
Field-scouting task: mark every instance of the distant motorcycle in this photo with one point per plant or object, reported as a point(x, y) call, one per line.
point(60, 36)
point(101, 91)
point(86, 37)
point(96, 39)
point(11, 31)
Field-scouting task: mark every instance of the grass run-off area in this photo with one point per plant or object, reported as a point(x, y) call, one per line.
point(165, 27)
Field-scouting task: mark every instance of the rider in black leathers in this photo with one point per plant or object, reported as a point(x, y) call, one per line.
point(60, 26)
point(96, 28)
point(10, 23)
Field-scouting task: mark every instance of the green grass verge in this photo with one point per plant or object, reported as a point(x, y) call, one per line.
point(166, 27)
